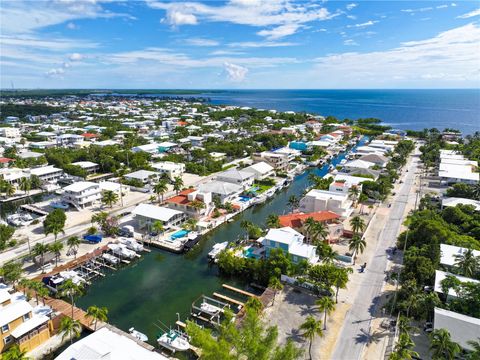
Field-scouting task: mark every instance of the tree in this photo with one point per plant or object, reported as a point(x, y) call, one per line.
point(6, 233)
point(319, 232)
point(449, 282)
point(9, 190)
point(441, 345)
point(11, 272)
point(15, 353)
point(98, 314)
point(309, 226)
point(160, 189)
point(326, 305)
point(362, 199)
point(311, 328)
point(467, 262)
point(327, 254)
point(40, 250)
point(25, 185)
point(35, 182)
point(70, 328)
point(109, 198)
point(354, 193)
point(197, 205)
point(272, 221)
point(275, 285)
point(157, 227)
point(340, 280)
point(357, 245)
point(70, 289)
point(254, 304)
point(475, 353)
point(43, 292)
point(293, 202)
point(190, 224)
point(54, 223)
point(56, 248)
point(73, 244)
point(177, 184)
point(404, 348)
point(357, 224)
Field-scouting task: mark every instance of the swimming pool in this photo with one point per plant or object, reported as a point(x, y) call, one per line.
point(179, 234)
point(244, 198)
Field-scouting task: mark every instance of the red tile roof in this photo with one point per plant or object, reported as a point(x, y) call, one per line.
point(181, 198)
point(4, 160)
point(89, 135)
point(297, 220)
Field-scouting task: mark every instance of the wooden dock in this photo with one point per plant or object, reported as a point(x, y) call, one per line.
point(240, 291)
point(78, 314)
point(34, 209)
point(229, 299)
point(181, 324)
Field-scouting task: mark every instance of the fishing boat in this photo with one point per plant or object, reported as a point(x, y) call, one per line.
point(111, 259)
point(210, 309)
point(192, 235)
point(137, 334)
point(174, 341)
point(55, 281)
point(122, 251)
point(217, 249)
point(343, 162)
point(19, 219)
point(131, 244)
point(59, 205)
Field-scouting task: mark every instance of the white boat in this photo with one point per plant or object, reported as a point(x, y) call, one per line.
point(217, 249)
point(122, 251)
point(192, 235)
point(138, 334)
point(131, 244)
point(343, 162)
point(19, 219)
point(111, 259)
point(270, 192)
point(210, 309)
point(174, 341)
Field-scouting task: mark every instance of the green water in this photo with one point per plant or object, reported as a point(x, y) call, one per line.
point(161, 284)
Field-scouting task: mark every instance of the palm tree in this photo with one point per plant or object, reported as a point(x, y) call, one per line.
point(404, 348)
point(309, 226)
point(197, 205)
point(319, 231)
point(329, 255)
point(449, 282)
point(326, 305)
point(157, 227)
point(293, 202)
point(246, 225)
point(441, 345)
point(25, 284)
point(109, 198)
point(40, 250)
point(272, 221)
point(56, 248)
point(476, 192)
point(467, 262)
point(43, 292)
point(361, 200)
point(14, 353)
point(160, 189)
point(177, 184)
point(340, 280)
point(311, 328)
point(276, 286)
point(357, 245)
point(70, 328)
point(254, 304)
point(475, 353)
point(70, 289)
point(190, 224)
point(25, 185)
point(98, 314)
point(9, 190)
point(357, 224)
point(354, 193)
point(73, 244)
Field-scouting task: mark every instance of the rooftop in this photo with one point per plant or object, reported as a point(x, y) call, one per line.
point(155, 212)
point(297, 220)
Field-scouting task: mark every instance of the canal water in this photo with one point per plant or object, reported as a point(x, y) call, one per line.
point(161, 284)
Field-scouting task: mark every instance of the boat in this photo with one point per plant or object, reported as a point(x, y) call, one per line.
point(110, 258)
point(270, 192)
point(55, 281)
point(19, 219)
point(217, 249)
point(131, 244)
point(137, 334)
point(122, 251)
point(210, 309)
point(343, 162)
point(174, 341)
point(59, 205)
point(192, 235)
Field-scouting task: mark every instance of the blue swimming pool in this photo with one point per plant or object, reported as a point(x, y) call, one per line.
point(179, 234)
point(249, 252)
point(244, 198)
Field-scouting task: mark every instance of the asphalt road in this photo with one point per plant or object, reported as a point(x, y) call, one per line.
point(354, 333)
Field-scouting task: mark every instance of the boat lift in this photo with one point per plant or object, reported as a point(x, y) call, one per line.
point(208, 309)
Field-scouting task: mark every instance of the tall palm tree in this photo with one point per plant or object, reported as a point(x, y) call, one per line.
point(293, 202)
point(356, 244)
point(98, 314)
point(190, 224)
point(357, 224)
point(56, 247)
point(272, 221)
point(276, 286)
point(15, 353)
point(362, 199)
point(309, 225)
point(354, 193)
point(73, 244)
point(109, 198)
point(246, 225)
point(9, 190)
point(25, 185)
point(404, 348)
point(70, 289)
point(319, 231)
point(157, 227)
point(311, 328)
point(40, 250)
point(43, 292)
point(326, 305)
point(442, 346)
point(160, 189)
point(476, 191)
point(467, 263)
point(329, 255)
point(70, 328)
point(340, 280)
point(177, 184)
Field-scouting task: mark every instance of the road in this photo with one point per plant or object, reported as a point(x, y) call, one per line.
point(352, 338)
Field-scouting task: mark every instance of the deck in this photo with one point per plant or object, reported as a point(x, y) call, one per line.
point(78, 314)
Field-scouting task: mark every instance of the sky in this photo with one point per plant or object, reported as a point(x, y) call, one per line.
point(251, 44)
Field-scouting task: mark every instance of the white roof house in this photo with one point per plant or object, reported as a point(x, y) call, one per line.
point(220, 187)
point(359, 164)
point(440, 275)
point(14, 311)
point(155, 212)
point(142, 175)
point(352, 180)
point(149, 148)
point(292, 242)
point(80, 186)
point(45, 170)
point(260, 170)
point(462, 328)
point(86, 164)
point(448, 253)
point(454, 201)
point(108, 345)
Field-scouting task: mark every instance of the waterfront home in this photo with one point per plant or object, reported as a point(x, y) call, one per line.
point(82, 194)
point(323, 200)
point(47, 173)
point(260, 170)
point(377, 159)
point(278, 161)
point(441, 275)
point(71, 140)
point(145, 176)
point(110, 343)
point(328, 218)
point(369, 174)
point(21, 323)
point(171, 169)
point(10, 132)
point(291, 242)
point(351, 180)
point(291, 154)
point(448, 253)
point(223, 191)
point(13, 175)
point(88, 166)
point(461, 327)
point(454, 201)
point(383, 145)
point(146, 214)
point(114, 187)
point(186, 201)
point(354, 165)
point(240, 177)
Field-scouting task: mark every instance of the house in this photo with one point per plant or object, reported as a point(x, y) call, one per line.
point(70, 140)
point(377, 159)
point(10, 132)
point(448, 252)
point(261, 170)
point(195, 140)
point(186, 199)
point(327, 218)
point(5, 162)
point(147, 214)
point(218, 156)
point(29, 155)
point(299, 145)
point(354, 165)
point(290, 153)
point(454, 201)
point(172, 169)
point(323, 200)
point(109, 344)
point(223, 191)
point(291, 242)
point(145, 176)
point(82, 194)
point(13, 175)
point(278, 161)
point(22, 324)
point(166, 146)
point(240, 177)
point(47, 173)
point(88, 166)
point(462, 328)
point(42, 145)
point(152, 148)
point(440, 275)
point(115, 187)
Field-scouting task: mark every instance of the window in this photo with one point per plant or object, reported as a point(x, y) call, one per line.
point(5, 328)
point(26, 317)
point(8, 339)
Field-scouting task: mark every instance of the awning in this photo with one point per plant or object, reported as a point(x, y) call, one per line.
point(29, 325)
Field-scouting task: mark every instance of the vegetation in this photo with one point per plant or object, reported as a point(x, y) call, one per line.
point(54, 223)
point(14, 353)
point(97, 314)
point(311, 328)
point(6, 233)
point(70, 328)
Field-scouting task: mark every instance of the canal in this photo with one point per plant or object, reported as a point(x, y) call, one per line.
point(161, 284)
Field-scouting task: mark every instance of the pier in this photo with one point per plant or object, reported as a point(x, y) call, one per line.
point(229, 299)
point(240, 291)
point(33, 209)
point(65, 309)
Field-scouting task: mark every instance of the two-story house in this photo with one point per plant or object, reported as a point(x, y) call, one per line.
point(170, 168)
point(239, 177)
point(82, 194)
point(323, 200)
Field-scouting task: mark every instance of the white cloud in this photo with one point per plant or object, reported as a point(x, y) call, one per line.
point(71, 26)
point(351, 17)
point(417, 10)
point(202, 42)
point(365, 24)
point(351, 6)
point(226, 52)
point(470, 14)
point(350, 42)
point(280, 31)
point(55, 72)
point(235, 72)
point(76, 57)
point(177, 18)
point(442, 6)
point(453, 4)
point(261, 44)
point(52, 44)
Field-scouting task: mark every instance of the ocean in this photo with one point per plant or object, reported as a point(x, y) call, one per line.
point(401, 109)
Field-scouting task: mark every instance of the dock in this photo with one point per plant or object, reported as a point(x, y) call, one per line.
point(229, 299)
point(66, 309)
point(240, 291)
point(34, 209)
point(181, 324)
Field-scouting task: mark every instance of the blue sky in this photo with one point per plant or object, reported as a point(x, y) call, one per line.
point(239, 44)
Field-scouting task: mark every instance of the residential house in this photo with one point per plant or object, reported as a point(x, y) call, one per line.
point(323, 200)
point(82, 194)
point(147, 214)
point(117, 188)
point(441, 275)
point(261, 170)
point(171, 169)
point(5, 162)
point(448, 254)
point(454, 201)
point(223, 191)
point(152, 148)
point(462, 328)
point(10, 132)
point(278, 161)
point(47, 173)
point(328, 218)
point(88, 166)
point(185, 201)
point(377, 159)
point(72, 140)
point(240, 177)
point(145, 176)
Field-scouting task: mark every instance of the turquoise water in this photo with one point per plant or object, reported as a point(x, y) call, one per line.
point(179, 234)
point(161, 284)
